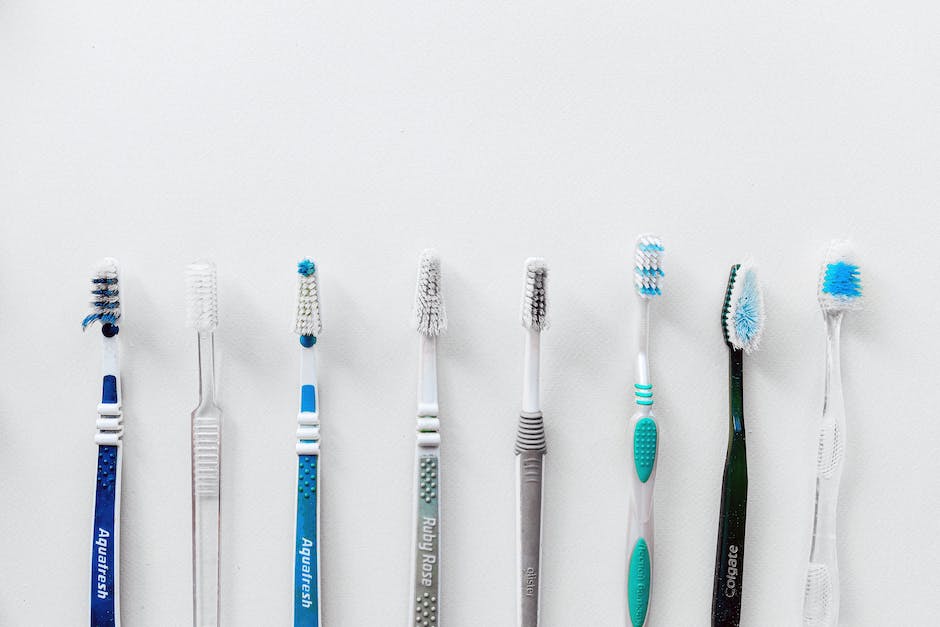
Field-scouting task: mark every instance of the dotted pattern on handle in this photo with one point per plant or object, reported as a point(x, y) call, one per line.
point(427, 572)
point(831, 450)
point(306, 567)
point(530, 435)
point(644, 448)
point(817, 599)
point(206, 441)
point(104, 541)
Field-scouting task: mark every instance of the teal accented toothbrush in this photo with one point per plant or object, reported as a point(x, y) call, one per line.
point(840, 290)
point(431, 322)
point(307, 531)
point(742, 321)
point(647, 279)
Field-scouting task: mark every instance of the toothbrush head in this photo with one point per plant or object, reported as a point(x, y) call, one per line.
point(203, 296)
point(430, 316)
point(742, 316)
point(534, 303)
point(647, 270)
point(840, 282)
point(106, 303)
point(307, 321)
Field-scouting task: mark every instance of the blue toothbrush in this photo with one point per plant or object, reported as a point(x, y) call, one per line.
point(307, 537)
point(105, 555)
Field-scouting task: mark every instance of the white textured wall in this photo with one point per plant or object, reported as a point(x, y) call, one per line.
point(361, 132)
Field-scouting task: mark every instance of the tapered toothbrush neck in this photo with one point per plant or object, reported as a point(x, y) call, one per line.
point(531, 401)
point(427, 377)
point(206, 368)
point(643, 342)
point(736, 389)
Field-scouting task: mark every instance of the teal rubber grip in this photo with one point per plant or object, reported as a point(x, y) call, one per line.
point(645, 436)
point(638, 583)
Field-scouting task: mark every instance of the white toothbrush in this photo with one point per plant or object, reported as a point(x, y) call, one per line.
point(203, 310)
point(105, 553)
point(307, 529)
point(530, 449)
point(644, 430)
point(840, 290)
point(431, 321)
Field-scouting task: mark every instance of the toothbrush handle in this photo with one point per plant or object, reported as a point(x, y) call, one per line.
point(821, 594)
point(426, 582)
point(640, 533)
point(206, 514)
point(729, 562)
point(105, 558)
point(105, 554)
point(530, 457)
point(307, 550)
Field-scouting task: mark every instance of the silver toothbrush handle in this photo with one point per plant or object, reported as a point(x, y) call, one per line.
point(530, 457)
point(426, 582)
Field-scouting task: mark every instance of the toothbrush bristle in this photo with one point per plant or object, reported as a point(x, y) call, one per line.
point(840, 281)
point(534, 303)
point(647, 270)
point(202, 297)
point(106, 294)
point(307, 321)
point(430, 316)
point(743, 316)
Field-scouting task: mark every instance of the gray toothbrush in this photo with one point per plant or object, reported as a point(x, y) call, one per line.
point(530, 449)
point(431, 321)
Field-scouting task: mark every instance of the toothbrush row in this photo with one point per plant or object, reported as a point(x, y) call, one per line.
point(742, 322)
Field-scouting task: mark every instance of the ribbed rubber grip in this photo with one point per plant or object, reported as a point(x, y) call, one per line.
point(206, 441)
point(530, 436)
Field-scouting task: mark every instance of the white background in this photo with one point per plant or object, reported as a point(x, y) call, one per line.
point(361, 132)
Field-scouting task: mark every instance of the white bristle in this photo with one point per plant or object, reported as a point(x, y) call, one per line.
point(840, 285)
point(307, 320)
point(744, 315)
point(647, 269)
point(430, 316)
point(534, 302)
point(106, 293)
point(202, 297)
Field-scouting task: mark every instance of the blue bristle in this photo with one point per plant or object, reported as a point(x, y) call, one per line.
point(648, 248)
point(843, 280)
point(306, 267)
point(747, 315)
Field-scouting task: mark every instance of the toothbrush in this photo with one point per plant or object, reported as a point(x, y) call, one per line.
point(431, 321)
point(742, 320)
point(307, 535)
point(647, 279)
point(105, 550)
point(530, 449)
point(840, 290)
point(206, 444)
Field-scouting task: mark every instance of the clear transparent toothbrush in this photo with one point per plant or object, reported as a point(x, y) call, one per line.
point(530, 449)
point(431, 321)
point(840, 290)
point(206, 447)
point(307, 526)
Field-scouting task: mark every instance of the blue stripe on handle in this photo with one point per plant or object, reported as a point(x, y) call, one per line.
point(308, 398)
point(103, 550)
point(109, 389)
point(306, 577)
